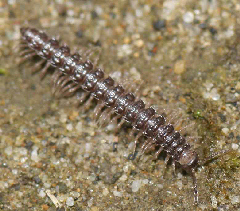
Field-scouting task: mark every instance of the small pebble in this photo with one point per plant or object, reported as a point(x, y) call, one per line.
point(188, 17)
point(179, 176)
point(69, 127)
point(139, 13)
point(237, 87)
point(79, 127)
point(94, 208)
point(213, 31)
point(63, 118)
point(214, 201)
point(145, 181)
point(126, 40)
point(139, 43)
point(45, 207)
point(225, 131)
point(8, 150)
point(88, 147)
point(234, 146)
point(90, 202)
point(22, 151)
point(47, 185)
point(179, 184)
point(159, 24)
point(123, 177)
point(124, 50)
point(75, 194)
point(135, 74)
point(235, 199)
point(34, 155)
point(105, 192)
point(136, 185)
point(15, 171)
point(180, 67)
point(117, 193)
point(70, 201)
point(208, 86)
point(37, 180)
point(110, 127)
point(212, 95)
point(62, 187)
point(29, 145)
point(42, 193)
point(94, 14)
point(79, 33)
point(131, 146)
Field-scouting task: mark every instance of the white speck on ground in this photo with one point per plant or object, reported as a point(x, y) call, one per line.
point(70, 201)
point(136, 185)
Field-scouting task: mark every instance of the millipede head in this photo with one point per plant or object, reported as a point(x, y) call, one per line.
point(188, 159)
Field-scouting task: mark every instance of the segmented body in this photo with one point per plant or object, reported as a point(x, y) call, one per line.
point(113, 96)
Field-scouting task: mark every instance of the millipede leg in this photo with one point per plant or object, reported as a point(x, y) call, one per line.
point(131, 134)
point(62, 85)
point(104, 116)
point(119, 125)
point(23, 45)
point(114, 121)
point(167, 159)
point(98, 109)
point(173, 115)
point(75, 88)
point(88, 103)
point(185, 128)
point(82, 98)
point(69, 90)
point(87, 53)
point(26, 52)
point(194, 186)
point(44, 70)
point(136, 91)
point(146, 143)
point(18, 48)
point(135, 142)
point(148, 146)
point(37, 65)
point(95, 62)
point(63, 91)
point(56, 76)
point(158, 152)
point(133, 155)
point(57, 84)
point(174, 167)
point(60, 81)
point(26, 57)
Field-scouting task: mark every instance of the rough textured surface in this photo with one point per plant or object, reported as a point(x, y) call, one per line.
point(187, 56)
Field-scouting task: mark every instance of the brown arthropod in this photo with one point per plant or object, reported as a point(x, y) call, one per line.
point(72, 73)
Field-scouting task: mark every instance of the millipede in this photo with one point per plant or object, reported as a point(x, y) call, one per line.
point(74, 73)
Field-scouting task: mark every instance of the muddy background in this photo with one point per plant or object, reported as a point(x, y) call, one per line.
point(184, 53)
